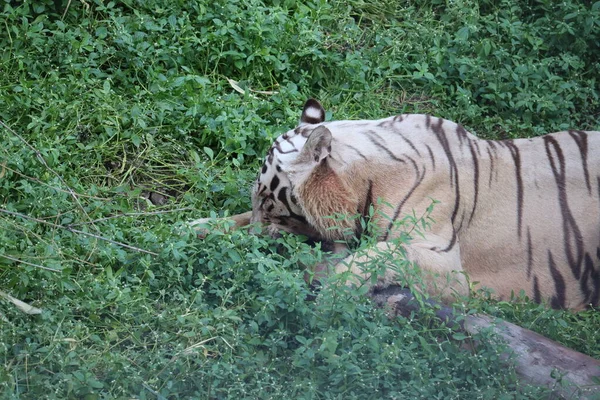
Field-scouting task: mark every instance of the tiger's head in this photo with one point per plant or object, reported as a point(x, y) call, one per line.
point(273, 199)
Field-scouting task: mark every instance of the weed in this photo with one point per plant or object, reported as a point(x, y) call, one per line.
point(122, 123)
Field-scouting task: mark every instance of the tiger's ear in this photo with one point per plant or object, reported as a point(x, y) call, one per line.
point(312, 113)
point(317, 147)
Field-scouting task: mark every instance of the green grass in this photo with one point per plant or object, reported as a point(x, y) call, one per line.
point(129, 106)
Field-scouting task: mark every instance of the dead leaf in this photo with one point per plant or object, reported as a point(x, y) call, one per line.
point(21, 305)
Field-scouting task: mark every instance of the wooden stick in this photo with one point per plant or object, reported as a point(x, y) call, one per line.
point(68, 228)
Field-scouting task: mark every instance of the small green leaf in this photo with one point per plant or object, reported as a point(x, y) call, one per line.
point(571, 15)
point(195, 156)
point(101, 32)
point(463, 34)
point(487, 48)
point(136, 140)
point(209, 152)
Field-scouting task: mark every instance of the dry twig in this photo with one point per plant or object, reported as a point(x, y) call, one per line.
point(70, 229)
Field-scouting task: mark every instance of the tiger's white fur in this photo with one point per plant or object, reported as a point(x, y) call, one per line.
point(513, 215)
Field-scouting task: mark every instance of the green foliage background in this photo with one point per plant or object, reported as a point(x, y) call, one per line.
point(121, 122)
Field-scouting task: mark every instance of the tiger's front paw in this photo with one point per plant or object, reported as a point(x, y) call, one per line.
point(200, 226)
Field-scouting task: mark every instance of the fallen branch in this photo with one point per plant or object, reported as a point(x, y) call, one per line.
point(21, 305)
point(538, 360)
point(68, 228)
point(132, 214)
point(28, 263)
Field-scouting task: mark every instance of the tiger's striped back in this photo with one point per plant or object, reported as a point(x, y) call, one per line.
point(519, 214)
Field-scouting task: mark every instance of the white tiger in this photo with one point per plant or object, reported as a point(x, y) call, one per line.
point(513, 215)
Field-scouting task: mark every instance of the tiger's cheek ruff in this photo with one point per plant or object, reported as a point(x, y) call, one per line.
point(323, 196)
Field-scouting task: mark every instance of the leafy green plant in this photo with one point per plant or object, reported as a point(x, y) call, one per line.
point(120, 123)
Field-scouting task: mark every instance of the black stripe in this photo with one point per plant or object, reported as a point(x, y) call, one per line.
point(451, 244)
point(491, 166)
point(274, 183)
point(537, 296)
point(388, 123)
point(441, 136)
point(368, 200)
point(299, 218)
point(361, 155)
point(514, 152)
point(475, 179)
point(529, 254)
point(377, 141)
point(598, 186)
point(431, 156)
point(462, 134)
point(277, 146)
point(283, 197)
point(573, 240)
point(304, 131)
point(406, 197)
point(462, 219)
point(558, 300)
point(590, 282)
point(289, 140)
point(580, 139)
point(476, 144)
point(494, 153)
point(412, 146)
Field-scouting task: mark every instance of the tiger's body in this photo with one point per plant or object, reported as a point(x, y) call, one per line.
point(513, 215)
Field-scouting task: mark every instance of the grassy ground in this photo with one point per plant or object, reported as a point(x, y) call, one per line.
point(122, 123)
